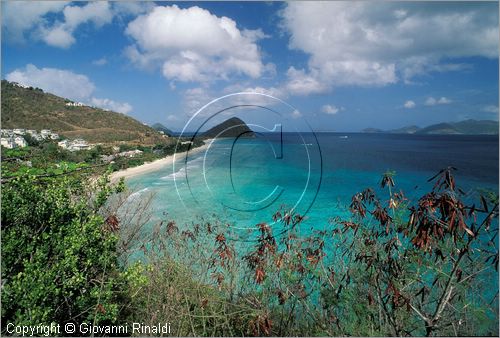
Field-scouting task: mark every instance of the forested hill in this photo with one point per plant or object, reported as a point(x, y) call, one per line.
point(31, 108)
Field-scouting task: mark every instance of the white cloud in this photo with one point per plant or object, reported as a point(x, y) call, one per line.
point(330, 109)
point(195, 98)
point(432, 101)
point(123, 108)
point(66, 84)
point(60, 34)
point(301, 83)
point(55, 22)
point(100, 62)
point(60, 82)
point(18, 17)
point(193, 45)
point(490, 109)
point(410, 104)
point(367, 44)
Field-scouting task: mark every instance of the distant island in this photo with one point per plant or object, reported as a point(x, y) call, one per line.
point(466, 127)
point(232, 127)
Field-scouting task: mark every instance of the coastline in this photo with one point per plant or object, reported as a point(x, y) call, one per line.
point(155, 165)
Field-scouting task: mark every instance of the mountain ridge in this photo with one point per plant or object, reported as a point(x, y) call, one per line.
point(465, 127)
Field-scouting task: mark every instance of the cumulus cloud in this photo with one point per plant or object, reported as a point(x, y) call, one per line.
point(66, 84)
point(432, 101)
point(123, 108)
point(195, 98)
point(60, 82)
point(193, 45)
point(18, 17)
point(100, 62)
point(409, 104)
point(55, 22)
point(60, 34)
point(330, 109)
point(376, 44)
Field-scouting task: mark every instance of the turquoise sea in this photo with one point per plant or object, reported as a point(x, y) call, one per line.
point(245, 181)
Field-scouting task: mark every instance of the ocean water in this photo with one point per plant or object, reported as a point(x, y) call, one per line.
point(244, 182)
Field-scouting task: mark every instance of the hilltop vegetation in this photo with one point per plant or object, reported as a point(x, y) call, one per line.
point(31, 108)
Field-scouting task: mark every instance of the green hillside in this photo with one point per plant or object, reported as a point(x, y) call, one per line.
point(33, 109)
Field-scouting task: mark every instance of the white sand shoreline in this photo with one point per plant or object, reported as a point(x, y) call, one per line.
point(155, 165)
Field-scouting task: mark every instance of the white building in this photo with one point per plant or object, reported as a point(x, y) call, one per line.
point(7, 132)
point(74, 145)
point(20, 85)
point(54, 136)
point(46, 133)
point(130, 153)
point(64, 144)
point(74, 104)
point(8, 142)
point(78, 144)
point(14, 142)
point(19, 131)
point(20, 141)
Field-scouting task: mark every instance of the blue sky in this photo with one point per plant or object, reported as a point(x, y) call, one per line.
point(343, 66)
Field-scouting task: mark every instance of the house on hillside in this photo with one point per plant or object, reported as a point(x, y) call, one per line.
point(8, 142)
point(45, 133)
point(54, 136)
point(34, 134)
point(20, 85)
point(19, 131)
point(131, 153)
point(75, 145)
point(74, 104)
point(78, 144)
point(20, 142)
point(7, 132)
point(64, 144)
point(14, 142)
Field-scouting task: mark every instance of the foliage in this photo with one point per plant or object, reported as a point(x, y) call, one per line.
point(59, 261)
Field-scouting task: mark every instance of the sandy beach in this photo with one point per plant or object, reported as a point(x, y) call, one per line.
point(155, 165)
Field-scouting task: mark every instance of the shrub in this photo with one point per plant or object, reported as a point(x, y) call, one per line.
point(59, 259)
